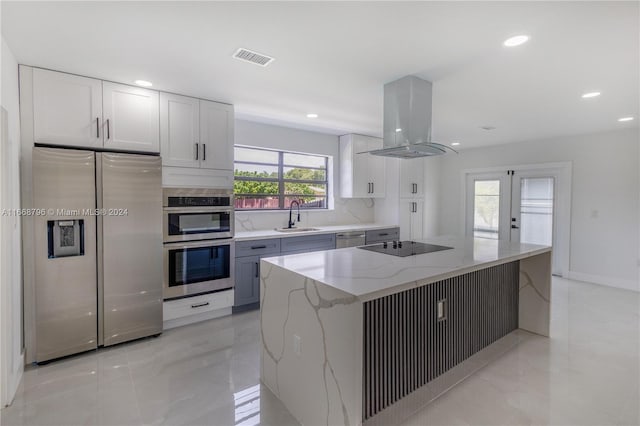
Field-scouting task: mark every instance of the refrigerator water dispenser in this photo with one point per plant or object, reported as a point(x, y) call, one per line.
point(65, 237)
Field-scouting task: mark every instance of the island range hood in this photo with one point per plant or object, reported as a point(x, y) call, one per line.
point(407, 120)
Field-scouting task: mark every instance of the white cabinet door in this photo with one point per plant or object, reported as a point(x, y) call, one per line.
point(216, 135)
point(411, 219)
point(67, 109)
point(131, 118)
point(412, 178)
point(376, 169)
point(360, 167)
point(179, 130)
point(361, 175)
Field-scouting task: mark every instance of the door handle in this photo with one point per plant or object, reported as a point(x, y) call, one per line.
point(197, 149)
point(108, 131)
point(97, 127)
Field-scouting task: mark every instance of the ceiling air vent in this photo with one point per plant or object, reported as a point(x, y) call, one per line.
point(253, 57)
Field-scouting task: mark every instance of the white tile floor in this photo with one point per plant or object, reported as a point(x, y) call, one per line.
point(588, 372)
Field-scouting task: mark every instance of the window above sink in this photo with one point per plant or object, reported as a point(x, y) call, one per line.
point(270, 179)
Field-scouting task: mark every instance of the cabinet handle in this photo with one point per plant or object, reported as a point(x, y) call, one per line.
point(197, 149)
point(258, 247)
point(383, 235)
point(108, 132)
point(204, 152)
point(257, 270)
point(97, 127)
point(200, 305)
point(372, 188)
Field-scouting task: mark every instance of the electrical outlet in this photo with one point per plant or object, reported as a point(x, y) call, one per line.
point(297, 345)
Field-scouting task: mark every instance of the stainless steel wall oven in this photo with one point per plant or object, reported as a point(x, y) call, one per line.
point(197, 214)
point(199, 249)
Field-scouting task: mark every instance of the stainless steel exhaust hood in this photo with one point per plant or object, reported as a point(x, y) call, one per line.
point(407, 120)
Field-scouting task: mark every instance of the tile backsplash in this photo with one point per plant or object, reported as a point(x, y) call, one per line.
point(345, 212)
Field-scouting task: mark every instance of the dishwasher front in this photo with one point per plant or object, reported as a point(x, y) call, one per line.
point(350, 239)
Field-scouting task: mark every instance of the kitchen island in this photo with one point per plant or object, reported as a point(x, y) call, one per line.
point(348, 334)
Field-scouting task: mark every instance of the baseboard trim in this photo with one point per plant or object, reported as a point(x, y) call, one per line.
point(606, 281)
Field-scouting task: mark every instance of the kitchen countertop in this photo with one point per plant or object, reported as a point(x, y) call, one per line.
point(369, 275)
point(272, 233)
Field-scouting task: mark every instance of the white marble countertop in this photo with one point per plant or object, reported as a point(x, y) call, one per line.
point(370, 275)
point(272, 233)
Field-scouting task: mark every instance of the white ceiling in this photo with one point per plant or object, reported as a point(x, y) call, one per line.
point(332, 58)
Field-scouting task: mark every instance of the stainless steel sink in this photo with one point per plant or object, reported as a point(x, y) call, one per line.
point(296, 229)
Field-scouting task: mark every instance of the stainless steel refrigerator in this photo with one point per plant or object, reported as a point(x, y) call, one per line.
point(98, 249)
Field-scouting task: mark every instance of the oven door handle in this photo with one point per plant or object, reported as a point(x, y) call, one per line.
point(221, 209)
point(197, 244)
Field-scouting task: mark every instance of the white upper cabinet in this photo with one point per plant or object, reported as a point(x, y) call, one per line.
point(131, 118)
point(67, 109)
point(412, 178)
point(216, 135)
point(361, 175)
point(77, 111)
point(196, 133)
point(179, 130)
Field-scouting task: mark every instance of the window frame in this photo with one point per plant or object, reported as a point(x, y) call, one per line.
point(281, 180)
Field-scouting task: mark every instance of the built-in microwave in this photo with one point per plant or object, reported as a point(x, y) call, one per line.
point(197, 267)
point(197, 214)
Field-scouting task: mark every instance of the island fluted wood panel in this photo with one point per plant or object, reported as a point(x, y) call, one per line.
point(406, 344)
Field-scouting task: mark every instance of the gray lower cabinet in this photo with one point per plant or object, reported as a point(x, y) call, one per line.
point(307, 243)
point(382, 235)
point(247, 262)
point(247, 288)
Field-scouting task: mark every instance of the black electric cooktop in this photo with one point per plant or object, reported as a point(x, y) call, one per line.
point(404, 248)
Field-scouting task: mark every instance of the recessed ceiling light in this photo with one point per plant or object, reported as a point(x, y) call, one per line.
point(625, 119)
point(312, 115)
point(591, 95)
point(455, 143)
point(143, 83)
point(516, 40)
point(398, 130)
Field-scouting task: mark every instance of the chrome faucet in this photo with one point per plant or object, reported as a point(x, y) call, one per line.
point(291, 222)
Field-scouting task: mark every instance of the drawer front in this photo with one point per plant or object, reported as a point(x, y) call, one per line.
point(381, 235)
point(308, 243)
point(197, 304)
point(269, 246)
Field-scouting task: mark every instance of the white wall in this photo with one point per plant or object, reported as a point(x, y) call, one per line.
point(604, 201)
point(343, 211)
point(11, 359)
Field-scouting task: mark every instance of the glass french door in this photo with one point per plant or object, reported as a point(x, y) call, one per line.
point(488, 204)
point(532, 207)
point(519, 206)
